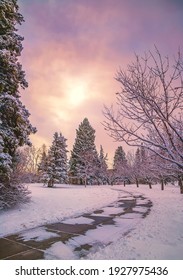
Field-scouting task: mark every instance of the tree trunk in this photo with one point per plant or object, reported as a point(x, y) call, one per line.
point(180, 184)
point(137, 182)
point(85, 182)
point(124, 183)
point(162, 185)
point(150, 185)
point(50, 183)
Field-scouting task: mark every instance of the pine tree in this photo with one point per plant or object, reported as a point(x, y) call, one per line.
point(87, 167)
point(84, 156)
point(15, 127)
point(142, 166)
point(42, 167)
point(145, 168)
point(57, 167)
point(136, 170)
point(119, 157)
point(102, 167)
point(120, 164)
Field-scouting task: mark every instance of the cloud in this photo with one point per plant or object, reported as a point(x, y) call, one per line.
point(72, 50)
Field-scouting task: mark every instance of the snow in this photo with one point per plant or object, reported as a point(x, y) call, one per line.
point(158, 236)
point(59, 249)
point(38, 234)
point(104, 234)
point(54, 204)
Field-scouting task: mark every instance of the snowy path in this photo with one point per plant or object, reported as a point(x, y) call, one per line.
point(49, 205)
point(74, 238)
point(159, 236)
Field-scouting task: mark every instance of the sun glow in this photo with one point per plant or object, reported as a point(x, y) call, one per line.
point(76, 92)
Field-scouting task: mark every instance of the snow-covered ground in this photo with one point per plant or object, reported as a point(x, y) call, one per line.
point(54, 204)
point(158, 236)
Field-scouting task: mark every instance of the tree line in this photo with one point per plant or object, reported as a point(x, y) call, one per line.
point(51, 166)
point(86, 166)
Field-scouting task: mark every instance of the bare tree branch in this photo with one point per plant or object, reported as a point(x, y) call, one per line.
point(150, 107)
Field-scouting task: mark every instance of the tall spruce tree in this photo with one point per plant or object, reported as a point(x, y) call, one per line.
point(102, 167)
point(57, 167)
point(137, 165)
point(142, 166)
point(15, 127)
point(84, 157)
point(120, 164)
point(42, 167)
point(119, 158)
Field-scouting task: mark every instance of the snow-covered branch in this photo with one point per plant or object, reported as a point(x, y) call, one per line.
point(149, 107)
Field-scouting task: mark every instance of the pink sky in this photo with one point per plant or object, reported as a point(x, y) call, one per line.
point(72, 50)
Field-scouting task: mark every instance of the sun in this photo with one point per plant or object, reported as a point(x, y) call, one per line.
point(76, 92)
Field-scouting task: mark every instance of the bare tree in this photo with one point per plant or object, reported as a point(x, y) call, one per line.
point(150, 107)
point(159, 170)
point(29, 158)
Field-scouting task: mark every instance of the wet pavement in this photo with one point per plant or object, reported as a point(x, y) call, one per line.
point(74, 238)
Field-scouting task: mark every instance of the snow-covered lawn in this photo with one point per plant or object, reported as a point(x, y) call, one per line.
point(158, 236)
point(54, 204)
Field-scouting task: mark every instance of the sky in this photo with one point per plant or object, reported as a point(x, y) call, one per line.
point(73, 50)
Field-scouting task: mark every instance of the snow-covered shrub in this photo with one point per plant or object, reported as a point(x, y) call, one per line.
point(12, 194)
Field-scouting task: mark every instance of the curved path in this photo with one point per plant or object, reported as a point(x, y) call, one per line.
point(75, 238)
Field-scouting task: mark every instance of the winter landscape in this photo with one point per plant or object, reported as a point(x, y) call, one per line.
point(157, 236)
point(91, 166)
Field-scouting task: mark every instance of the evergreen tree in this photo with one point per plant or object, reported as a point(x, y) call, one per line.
point(87, 168)
point(57, 161)
point(102, 167)
point(84, 156)
point(146, 163)
point(119, 158)
point(42, 167)
point(120, 164)
point(15, 127)
point(142, 166)
point(136, 170)
point(138, 156)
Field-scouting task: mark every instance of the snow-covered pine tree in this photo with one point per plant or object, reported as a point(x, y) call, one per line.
point(87, 168)
point(147, 174)
point(84, 157)
point(42, 166)
point(102, 167)
point(119, 157)
point(15, 127)
point(57, 167)
point(142, 166)
point(136, 168)
point(120, 164)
